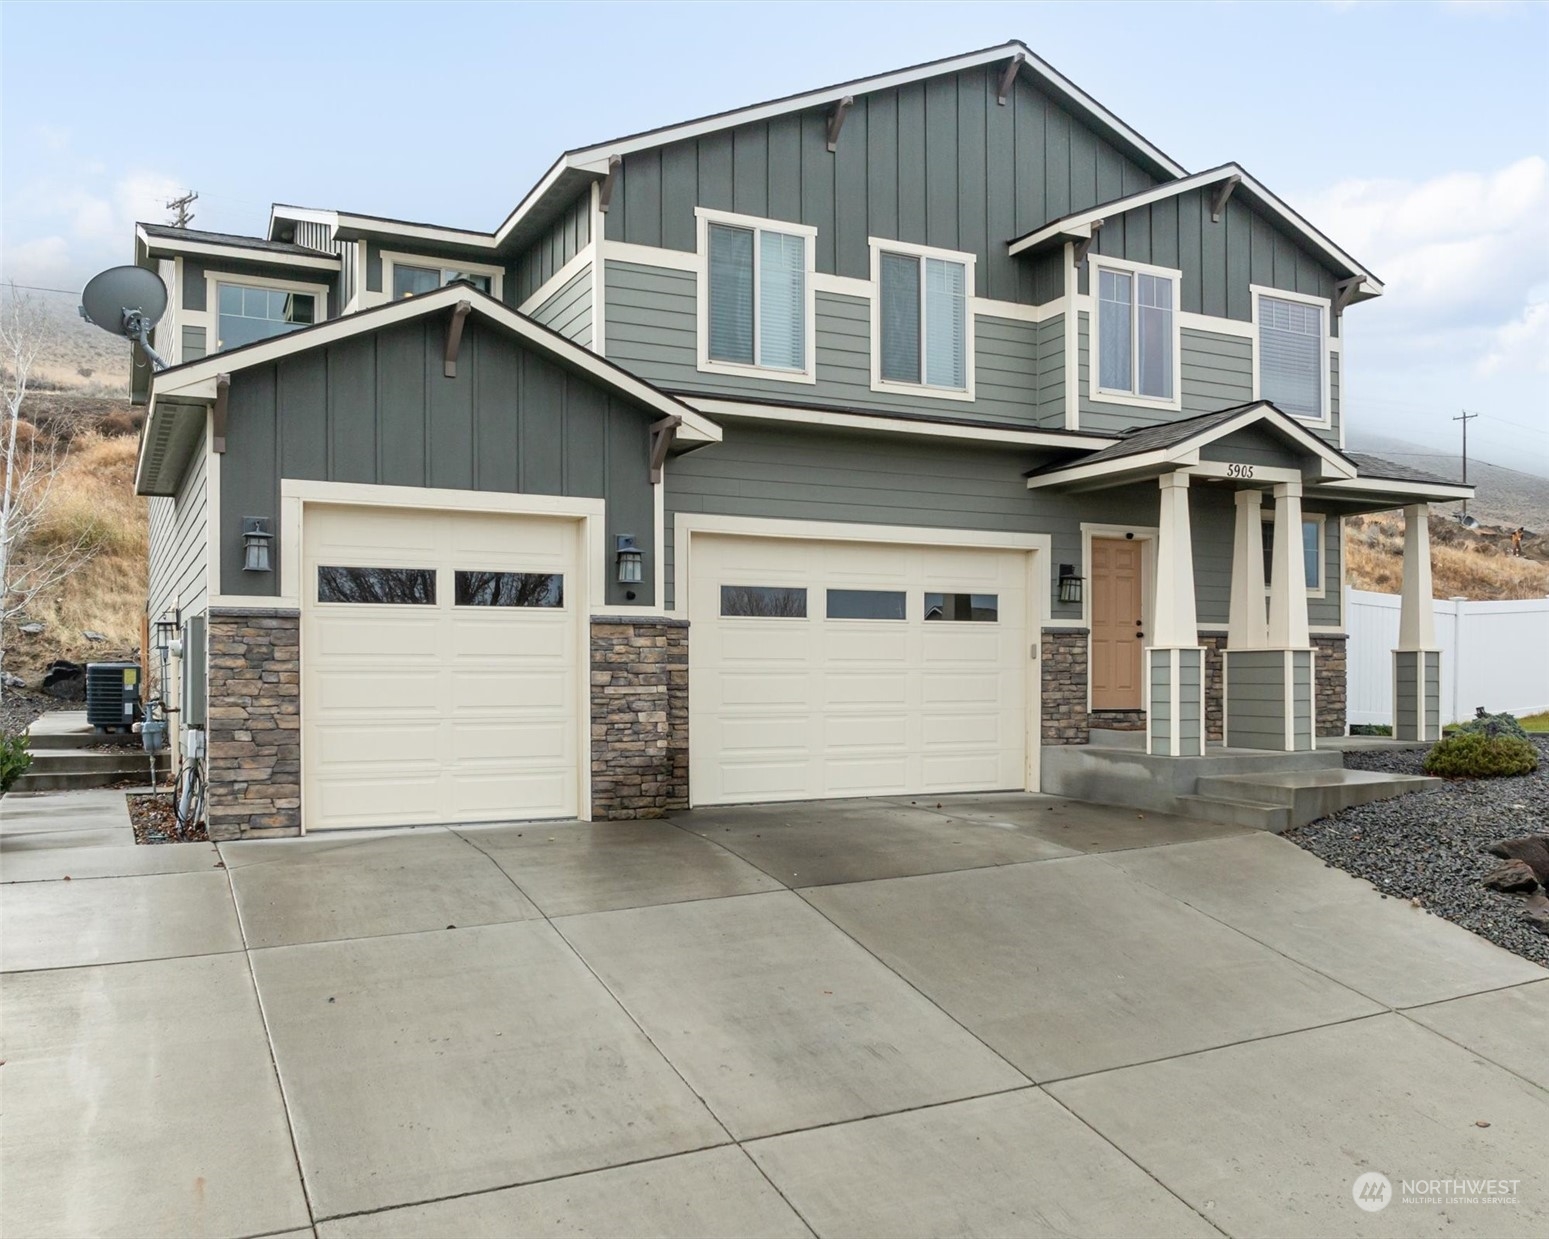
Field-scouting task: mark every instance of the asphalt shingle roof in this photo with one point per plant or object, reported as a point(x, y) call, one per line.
point(169, 233)
point(1375, 467)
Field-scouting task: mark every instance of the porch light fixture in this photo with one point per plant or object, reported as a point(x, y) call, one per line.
point(630, 559)
point(1070, 584)
point(167, 629)
point(255, 544)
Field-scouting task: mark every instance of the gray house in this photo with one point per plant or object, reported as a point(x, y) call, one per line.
point(882, 439)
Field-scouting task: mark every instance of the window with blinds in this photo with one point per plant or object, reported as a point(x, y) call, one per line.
point(924, 321)
point(1136, 333)
point(1291, 356)
point(757, 297)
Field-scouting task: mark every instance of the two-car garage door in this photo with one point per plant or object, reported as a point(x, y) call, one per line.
point(838, 668)
point(440, 661)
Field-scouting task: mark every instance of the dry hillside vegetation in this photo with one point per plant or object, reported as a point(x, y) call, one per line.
point(1465, 563)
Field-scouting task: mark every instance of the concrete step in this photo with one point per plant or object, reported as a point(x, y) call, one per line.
point(85, 761)
point(1253, 814)
point(1310, 794)
point(60, 770)
point(68, 729)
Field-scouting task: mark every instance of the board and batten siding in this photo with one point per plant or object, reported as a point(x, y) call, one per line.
point(376, 408)
point(179, 546)
point(652, 326)
point(824, 475)
point(561, 241)
point(936, 162)
point(569, 310)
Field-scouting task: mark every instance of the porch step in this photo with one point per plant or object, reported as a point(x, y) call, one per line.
point(67, 755)
point(68, 729)
point(1254, 814)
point(1305, 795)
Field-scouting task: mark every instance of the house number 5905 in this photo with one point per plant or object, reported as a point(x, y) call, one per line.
point(1239, 471)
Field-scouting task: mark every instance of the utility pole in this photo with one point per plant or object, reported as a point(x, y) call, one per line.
point(1465, 419)
point(181, 215)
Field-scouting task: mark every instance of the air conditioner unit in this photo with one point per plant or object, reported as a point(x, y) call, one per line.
point(112, 695)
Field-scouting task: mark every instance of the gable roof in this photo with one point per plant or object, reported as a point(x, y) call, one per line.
point(197, 382)
point(1173, 444)
point(1079, 225)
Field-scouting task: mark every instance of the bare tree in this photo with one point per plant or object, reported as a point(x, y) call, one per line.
point(29, 565)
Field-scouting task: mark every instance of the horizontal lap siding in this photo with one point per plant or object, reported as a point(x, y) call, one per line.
point(1051, 372)
point(569, 311)
point(179, 545)
point(937, 162)
point(652, 325)
point(811, 474)
point(1217, 373)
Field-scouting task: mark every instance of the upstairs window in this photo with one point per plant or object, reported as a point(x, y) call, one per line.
point(755, 297)
point(248, 314)
point(1292, 355)
point(1137, 333)
point(410, 281)
point(922, 318)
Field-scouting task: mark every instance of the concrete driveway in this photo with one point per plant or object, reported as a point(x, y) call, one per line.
point(993, 1015)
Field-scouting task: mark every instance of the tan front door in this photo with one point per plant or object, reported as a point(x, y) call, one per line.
point(1117, 630)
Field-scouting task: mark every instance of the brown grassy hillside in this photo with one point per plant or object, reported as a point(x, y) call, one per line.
point(1474, 564)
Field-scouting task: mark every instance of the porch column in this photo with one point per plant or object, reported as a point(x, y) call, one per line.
point(1268, 672)
point(1417, 660)
point(1175, 661)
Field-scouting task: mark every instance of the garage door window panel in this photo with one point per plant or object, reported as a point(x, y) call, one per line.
point(962, 608)
point(763, 601)
point(866, 604)
point(509, 589)
point(377, 586)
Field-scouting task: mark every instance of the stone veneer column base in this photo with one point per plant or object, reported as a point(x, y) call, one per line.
point(639, 716)
point(1214, 644)
point(1330, 686)
point(254, 759)
point(1062, 672)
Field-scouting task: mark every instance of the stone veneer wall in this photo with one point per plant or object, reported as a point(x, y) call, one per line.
point(1063, 671)
point(1329, 686)
point(254, 759)
point(639, 717)
point(1215, 685)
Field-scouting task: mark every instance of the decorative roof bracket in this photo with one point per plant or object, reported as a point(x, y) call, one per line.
point(1344, 293)
point(1007, 78)
point(662, 435)
point(836, 121)
point(218, 414)
point(454, 337)
point(605, 194)
point(1085, 244)
point(1219, 199)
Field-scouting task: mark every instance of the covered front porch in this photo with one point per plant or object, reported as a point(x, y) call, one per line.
point(1277, 486)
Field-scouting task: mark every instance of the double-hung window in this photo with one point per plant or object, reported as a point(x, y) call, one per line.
point(1292, 353)
point(1137, 333)
point(755, 297)
point(921, 328)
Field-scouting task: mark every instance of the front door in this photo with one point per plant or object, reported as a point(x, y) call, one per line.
point(1117, 629)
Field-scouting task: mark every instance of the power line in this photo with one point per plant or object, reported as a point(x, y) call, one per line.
point(38, 288)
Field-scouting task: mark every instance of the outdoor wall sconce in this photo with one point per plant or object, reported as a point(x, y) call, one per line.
point(255, 544)
point(630, 559)
point(1070, 584)
point(167, 630)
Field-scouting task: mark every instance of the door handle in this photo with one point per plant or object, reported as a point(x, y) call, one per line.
point(1140, 636)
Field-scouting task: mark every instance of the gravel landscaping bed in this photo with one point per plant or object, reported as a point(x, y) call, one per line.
point(1431, 846)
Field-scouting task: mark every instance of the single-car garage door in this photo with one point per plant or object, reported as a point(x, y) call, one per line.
point(439, 664)
point(821, 668)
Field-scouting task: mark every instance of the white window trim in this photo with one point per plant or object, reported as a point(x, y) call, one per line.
point(1267, 515)
point(1324, 349)
point(1096, 263)
point(703, 218)
point(214, 279)
point(881, 245)
point(392, 258)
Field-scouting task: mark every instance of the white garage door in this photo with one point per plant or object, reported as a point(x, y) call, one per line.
point(439, 667)
point(852, 669)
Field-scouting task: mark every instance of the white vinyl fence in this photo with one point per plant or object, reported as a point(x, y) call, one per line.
point(1494, 654)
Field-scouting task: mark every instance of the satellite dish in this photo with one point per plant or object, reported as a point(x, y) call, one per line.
point(127, 301)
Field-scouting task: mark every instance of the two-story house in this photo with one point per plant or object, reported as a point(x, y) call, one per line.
point(882, 439)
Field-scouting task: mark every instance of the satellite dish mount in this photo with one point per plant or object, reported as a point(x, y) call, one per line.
point(127, 301)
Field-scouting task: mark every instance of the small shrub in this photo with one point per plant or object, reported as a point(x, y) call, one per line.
point(14, 758)
point(1371, 729)
point(1483, 724)
point(1474, 755)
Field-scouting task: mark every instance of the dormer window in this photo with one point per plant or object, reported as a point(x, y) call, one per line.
point(755, 297)
point(1136, 357)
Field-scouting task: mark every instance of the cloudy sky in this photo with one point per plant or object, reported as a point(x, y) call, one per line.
point(1415, 135)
